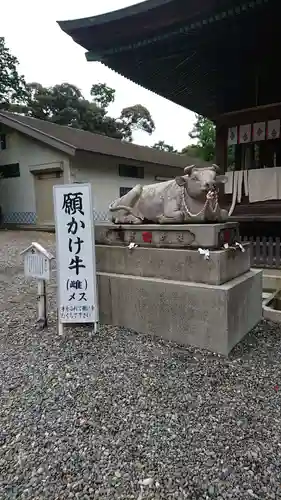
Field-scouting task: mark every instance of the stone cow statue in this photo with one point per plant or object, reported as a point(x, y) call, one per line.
point(192, 197)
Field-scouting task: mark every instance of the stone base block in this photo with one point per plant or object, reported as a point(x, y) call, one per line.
point(174, 263)
point(207, 316)
point(211, 235)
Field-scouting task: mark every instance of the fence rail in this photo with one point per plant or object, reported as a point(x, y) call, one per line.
point(265, 252)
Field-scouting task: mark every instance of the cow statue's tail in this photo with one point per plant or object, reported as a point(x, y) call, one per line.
point(127, 201)
point(114, 207)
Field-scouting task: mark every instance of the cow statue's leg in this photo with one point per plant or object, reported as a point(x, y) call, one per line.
point(175, 217)
point(171, 215)
point(126, 219)
point(219, 215)
point(223, 215)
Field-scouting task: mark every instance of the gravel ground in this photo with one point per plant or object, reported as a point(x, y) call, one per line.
point(123, 416)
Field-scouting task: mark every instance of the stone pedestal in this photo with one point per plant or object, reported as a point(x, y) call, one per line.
point(164, 286)
point(168, 236)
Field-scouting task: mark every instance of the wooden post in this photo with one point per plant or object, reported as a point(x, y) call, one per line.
point(221, 147)
point(42, 303)
point(60, 326)
point(221, 156)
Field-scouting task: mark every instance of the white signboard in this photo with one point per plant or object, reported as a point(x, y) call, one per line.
point(36, 266)
point(76, 263)
point(37, 262)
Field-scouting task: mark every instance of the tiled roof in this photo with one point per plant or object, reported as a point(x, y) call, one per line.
point(94, 143)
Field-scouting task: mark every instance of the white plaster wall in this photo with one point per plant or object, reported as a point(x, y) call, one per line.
point(17, 195)
point(103, 173)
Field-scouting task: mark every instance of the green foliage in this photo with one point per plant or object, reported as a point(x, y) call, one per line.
point(136, 117)
point(65, 104)
point(102, 95)
point(204, 131)
point(192, 150)
point(231, 157)
point(12, 85)
point(162, 146)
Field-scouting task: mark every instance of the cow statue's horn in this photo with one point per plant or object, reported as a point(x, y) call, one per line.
point(188, 170)
point(216, 168)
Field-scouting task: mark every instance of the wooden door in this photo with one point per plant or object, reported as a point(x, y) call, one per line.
point(44, 184)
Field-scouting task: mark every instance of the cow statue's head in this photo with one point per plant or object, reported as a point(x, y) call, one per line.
point(199, 180)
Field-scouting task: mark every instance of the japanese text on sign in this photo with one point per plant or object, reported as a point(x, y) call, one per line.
point(76, 259)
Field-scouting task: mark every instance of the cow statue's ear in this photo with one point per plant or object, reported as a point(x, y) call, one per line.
point(221, 179)
point(181, 181)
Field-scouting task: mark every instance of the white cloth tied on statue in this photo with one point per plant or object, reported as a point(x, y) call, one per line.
point(263, 184)
point(238, 182)
point(228, 187)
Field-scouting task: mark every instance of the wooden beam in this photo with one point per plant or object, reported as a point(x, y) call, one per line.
point(247, 110)
point(221, 148)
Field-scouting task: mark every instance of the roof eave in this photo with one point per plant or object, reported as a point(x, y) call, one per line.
point(188, 27)
point(116, 15)
point(153, 157)
point(38, 135)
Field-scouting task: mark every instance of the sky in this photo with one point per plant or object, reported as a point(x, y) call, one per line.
point(48, 56)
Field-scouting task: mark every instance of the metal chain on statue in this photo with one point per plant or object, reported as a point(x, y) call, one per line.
point(212, 196)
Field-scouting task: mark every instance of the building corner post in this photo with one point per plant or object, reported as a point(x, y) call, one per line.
point(221, 147)
point(67, 174)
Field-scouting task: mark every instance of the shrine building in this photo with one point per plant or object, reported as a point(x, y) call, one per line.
point(218, 58)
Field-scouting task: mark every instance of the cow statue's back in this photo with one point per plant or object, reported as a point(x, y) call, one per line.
point(192, 197)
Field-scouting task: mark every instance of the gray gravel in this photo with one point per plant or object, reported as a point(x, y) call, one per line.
point(123, 416)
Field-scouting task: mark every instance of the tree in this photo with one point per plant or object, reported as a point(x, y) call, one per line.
point(38, 103)
point(192, 150)
point(64, 104)
point(136, 117)
point(162, 146)
point(204, 131)
point(102, 95)
point(12, 85)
